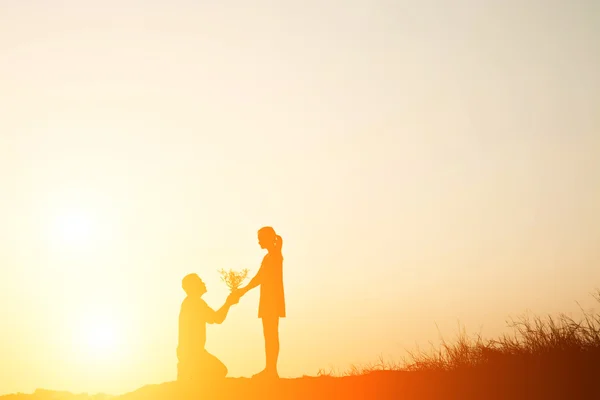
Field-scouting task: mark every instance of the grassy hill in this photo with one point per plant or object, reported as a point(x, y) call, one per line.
point(545, 358)
point(374, 385)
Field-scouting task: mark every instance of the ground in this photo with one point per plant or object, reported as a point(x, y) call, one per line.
point(375, 385)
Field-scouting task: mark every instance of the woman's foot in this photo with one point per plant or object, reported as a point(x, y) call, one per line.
point(266, 374)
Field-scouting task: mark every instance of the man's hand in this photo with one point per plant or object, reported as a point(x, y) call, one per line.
point(233, 298)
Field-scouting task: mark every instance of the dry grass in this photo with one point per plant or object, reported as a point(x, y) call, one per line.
point(559, 344)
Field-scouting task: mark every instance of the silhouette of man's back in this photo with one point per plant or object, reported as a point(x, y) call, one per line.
point(193, 317)
point(194, 361)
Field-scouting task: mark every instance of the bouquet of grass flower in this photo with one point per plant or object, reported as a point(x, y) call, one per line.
point(233, 279)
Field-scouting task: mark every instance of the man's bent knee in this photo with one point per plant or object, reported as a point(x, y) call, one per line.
point(215, 368)
point(220, 369)
point(222, 373)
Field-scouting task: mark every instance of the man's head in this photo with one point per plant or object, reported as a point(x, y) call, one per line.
point(193, 285)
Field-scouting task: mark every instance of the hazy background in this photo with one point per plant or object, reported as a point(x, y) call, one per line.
point(425, 162)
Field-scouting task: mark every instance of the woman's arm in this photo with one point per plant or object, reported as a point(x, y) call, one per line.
point(254, 282)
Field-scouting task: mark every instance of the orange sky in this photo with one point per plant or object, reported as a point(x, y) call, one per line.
point(424, 164)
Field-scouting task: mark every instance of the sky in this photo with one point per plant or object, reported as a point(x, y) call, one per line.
point(430, 165)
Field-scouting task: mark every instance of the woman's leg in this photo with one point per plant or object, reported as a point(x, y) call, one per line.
point(271, 334)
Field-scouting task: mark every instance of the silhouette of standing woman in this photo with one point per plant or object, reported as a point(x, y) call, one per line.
point(271, 306)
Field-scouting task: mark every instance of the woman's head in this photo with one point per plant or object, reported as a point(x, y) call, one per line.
point(268, 239)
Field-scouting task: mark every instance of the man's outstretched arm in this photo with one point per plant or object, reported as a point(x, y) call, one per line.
point(219, 316)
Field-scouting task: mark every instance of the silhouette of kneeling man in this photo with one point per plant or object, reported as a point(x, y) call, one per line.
point(195, 363)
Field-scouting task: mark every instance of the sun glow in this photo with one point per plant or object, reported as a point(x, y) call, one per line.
point(99, 337)
point(81, 227)
point(73, 228)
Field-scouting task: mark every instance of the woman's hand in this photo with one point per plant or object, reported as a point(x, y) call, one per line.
point(241, 291)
